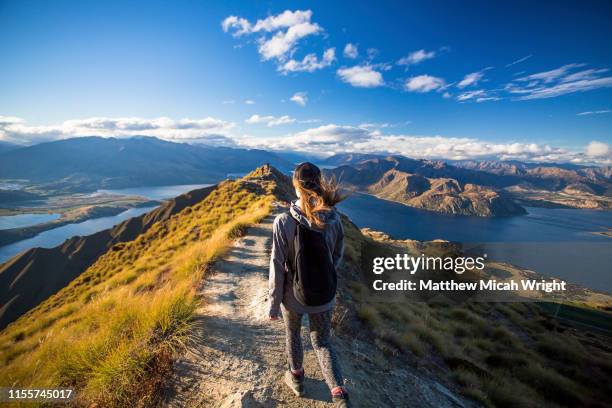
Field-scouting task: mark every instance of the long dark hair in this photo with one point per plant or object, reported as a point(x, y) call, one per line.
point(318, 194)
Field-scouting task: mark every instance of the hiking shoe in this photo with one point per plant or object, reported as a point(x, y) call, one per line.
point(341, 400)
point(295, 382)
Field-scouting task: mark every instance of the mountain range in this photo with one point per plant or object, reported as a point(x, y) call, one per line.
point(485, 188)
point(90, 163)
point(427, 185)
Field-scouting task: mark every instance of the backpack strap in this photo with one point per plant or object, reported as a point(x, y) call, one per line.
point(290, 249)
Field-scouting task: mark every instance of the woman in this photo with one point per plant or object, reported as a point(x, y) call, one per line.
point(312, 216)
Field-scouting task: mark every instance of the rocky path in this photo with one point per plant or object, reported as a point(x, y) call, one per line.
point(236, 358)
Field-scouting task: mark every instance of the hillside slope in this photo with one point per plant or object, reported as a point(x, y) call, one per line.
point(110, 333)
point(32, 276)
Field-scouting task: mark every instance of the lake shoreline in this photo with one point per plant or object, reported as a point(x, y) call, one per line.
point(12, 235)
point(553, 242)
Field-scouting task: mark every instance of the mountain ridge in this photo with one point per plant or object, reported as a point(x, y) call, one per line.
point(93, 162)
point(26, 281)
point(425, 185)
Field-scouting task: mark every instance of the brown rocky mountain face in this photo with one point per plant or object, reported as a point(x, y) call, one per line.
point(385, 178)
point(553, 177)
point(531, 184)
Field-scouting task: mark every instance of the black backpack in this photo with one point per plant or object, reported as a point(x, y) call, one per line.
point(314, 275)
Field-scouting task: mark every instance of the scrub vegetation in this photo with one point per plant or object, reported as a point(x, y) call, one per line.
point(111, 334)
point(498, 354)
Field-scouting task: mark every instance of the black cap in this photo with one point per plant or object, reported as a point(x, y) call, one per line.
point(308, 175)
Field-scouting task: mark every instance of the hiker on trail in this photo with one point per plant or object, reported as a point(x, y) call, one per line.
point(307, 246)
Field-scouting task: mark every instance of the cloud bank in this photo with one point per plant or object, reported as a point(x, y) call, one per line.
point(332, 138)
point(323, 140)
point(206, 130)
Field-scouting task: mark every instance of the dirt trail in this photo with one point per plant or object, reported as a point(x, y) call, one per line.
point(237, 358)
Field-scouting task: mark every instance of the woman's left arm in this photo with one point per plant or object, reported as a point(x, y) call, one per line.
point(339, 247)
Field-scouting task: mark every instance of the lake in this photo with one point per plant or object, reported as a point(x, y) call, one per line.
point(25, 220)
point(56, 236)
point(554, 242)
point(156, 192)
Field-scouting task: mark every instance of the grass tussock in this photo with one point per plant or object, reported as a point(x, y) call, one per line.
point(112, 332)
point(500, 355)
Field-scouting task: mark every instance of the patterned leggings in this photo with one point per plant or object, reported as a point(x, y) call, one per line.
point(320, 338)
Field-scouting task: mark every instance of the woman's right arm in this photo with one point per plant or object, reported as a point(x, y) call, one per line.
point(277, 268)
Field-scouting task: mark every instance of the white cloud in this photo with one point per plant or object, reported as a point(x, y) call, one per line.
point(285, 19)
point(597, 112)
point(361, 76)
point(270, 120)
point(249, 102)
point(471, 79)
point(279, 36)
point(301, 98)
point(487, 98)
point(283, 42)
point(208, 130)
point(518, 61)
point(309, 63)
point(351, 51)
point(424, 83)
point(325, 139)
point(480, 93)
point(240, 26)
point(598, 149)
point(586, 74)
point(549, 76)
point(229, 102)
point(559, 81)
point(416, 57)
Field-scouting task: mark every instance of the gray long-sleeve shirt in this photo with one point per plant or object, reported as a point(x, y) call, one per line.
point(283, 233)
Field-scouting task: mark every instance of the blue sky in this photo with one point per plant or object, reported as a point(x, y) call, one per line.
point(527, 80)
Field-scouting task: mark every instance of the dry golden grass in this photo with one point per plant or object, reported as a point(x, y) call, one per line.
point(111, 333)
